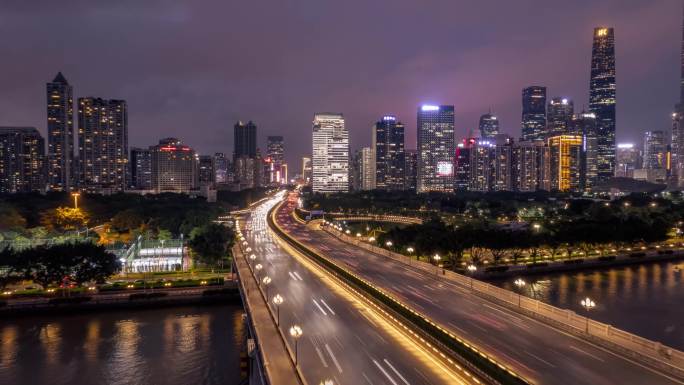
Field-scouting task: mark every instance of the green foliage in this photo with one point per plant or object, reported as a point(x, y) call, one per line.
point(125, 220)
point(212, 243)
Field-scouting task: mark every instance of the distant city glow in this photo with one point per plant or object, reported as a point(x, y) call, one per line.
point(428, 107)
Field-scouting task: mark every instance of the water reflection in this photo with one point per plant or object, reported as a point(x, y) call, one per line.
point(185, 345)
point(646, 300)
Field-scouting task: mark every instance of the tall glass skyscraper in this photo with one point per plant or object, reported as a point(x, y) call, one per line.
point(533, 113)
point(275, 157)
point(330, 153)
point(602, 99)
point(245, 140)
point(559, 116)
point(436, 148)
point(489, 126)
point(60, 130)
point(388, 148)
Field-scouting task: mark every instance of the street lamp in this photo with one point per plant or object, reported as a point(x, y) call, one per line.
point(258, 268)
point(371, 239)
point(277, 301)
point(588, 304)
point(437, 258)
point(536, 226)
point(75, 195)
point(520, 283)
point(388, 243)
point(296, 332)
point(471, 269)
point(266, 281)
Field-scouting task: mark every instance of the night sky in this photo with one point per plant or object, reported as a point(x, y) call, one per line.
point(190, 69)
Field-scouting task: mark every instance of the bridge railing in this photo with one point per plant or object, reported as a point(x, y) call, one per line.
point(654, 353)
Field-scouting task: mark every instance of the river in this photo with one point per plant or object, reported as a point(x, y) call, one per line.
point(647, 300)
point(182, 345)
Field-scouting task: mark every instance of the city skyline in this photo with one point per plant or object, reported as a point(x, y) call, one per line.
point(458, 78)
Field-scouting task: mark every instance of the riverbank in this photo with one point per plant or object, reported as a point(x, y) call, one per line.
point(158, 298)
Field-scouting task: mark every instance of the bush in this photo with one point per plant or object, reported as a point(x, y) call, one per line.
point(68, 300)
point(3, 303)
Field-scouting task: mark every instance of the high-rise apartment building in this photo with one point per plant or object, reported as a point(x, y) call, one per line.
point(174, 166)
point(489, 126)
point(481, 163)
point(462, 164)
point(532, 166)
point(559, 116)
point(366, 172)
point(60, 131)
point(330, 153)
point(436, 148)
point(628, 160)
point(565, 158)
point(503, 164)
point(102, 144)
point(584, 124)
point(602, 99)
point(388, 150)
point(22, 156)
point(221, 166)
point(275, 158)
point(245, 140)
point(655, 150)
point(677, 139)
point(411, 169)
point(306, 170)
point(141, 168)
point(533, 113)
point(206, 171)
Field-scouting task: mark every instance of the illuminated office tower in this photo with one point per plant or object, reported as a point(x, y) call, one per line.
point(366, 165)
point(677, 139)
point(628, 160)
point(584, 124)
point(102, 144)
point(532, 167)
point(559, 117)
point(565, 158)
point(306, 170)
point(503, 164)
point(436, 148)
point(221, 165)
point(462, 164)
point(60, 131)
point(206, 170)
point(655, 150)
point(489, 126)
point(245, 140)
point(141, 168)
point(388, 150)
point(602, 99)
point(22, 156)
point(174, 166)
point(330, 153)
point(275, 157)
point(411, 169)
point(533, 112)
point(481, 162)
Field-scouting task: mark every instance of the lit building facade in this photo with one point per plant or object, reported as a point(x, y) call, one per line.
point(366, 164)
point(22, 157)
point(411, 169)
point(60, 131)
point(275, 157)
point(559, 116)
point(532, 166)
point(584, 124)
point(481, 165)
point(330, 161)
point(565, 158)
point(206, 171)
point(221, 168)
point(174, 166)
point(141, 168)
point(533, 113)
point(306, 170)
point(462, 164)
point(628, 160)
point(655, 150)
point(602, 99)
point(388, 150)
point(244, 140)
point(436, 148)
point(102, 144)
point(489, 126)
point(503, 164)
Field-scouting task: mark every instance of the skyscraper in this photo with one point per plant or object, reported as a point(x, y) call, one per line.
point(481, 164)
point(677, 140)
point(275, 157)
point(306, 170)
point(436, 148)
point(388, 149)
point(330, 153)
point(532, 166)
point(206, 170)
point(489, 126)
point(628, 160)
point(174, 166)
point(102, 144)
point(462, 164)
point(366, 165)
point(559, 116)
point(411, 169)
point(533, 112)
point(60, 130)
point(655, 150)
point(503, 164)
point(565, 158)
point(245, 140)
point(141, 168)
point(221, 165)
point(584, 124)
point(602, 99)
point(22, 155)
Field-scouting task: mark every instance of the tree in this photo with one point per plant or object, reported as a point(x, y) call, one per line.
point(64, 218)
point(126, 220)
point(10, 271)
point(91, 262)
point(10, 219)
point(212, 243)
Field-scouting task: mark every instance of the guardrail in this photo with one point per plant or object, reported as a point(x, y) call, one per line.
point(651, 352)
point(468, 354)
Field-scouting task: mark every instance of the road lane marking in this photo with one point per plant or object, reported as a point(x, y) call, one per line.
point(366, 377)
point(385, 373)
point(298, 276)
point(292, 275)
point(320, 355)
point(587, 353)
point(539, 359)
point(396, 371)
point(319, 307)
point(337, 364)
point(327, 307)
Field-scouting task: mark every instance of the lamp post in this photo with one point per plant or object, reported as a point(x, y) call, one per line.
point(588, 304)
point(520, 283)
point(277, 301)
point(258, 268)
point(296, 332)
point(437, 259)
point(266, 281)
point(252, 258)
point(410, 250)
point(471, 269)
point(75, 195)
